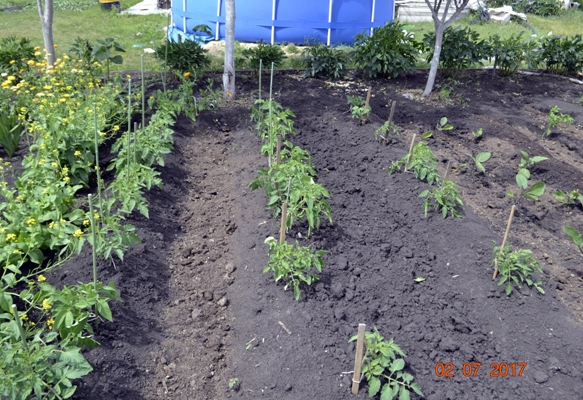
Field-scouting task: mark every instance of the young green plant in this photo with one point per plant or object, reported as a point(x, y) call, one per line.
point(446, 199)
point(479, 159)
point(383, 367)
point(537, 189)
point(575, 236)
point(422, 161)
point(556, 118)
point(569, 198)
point(516, 267)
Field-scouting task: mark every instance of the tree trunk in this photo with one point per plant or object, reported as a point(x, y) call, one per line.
point(229, 71)
point(46, 19)
point(435, 60)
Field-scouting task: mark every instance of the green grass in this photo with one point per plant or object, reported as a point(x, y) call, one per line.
point(93, 23)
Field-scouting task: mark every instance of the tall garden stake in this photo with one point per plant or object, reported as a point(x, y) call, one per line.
point(358, 358)
point(143, 93)
point(410, 150)
point(270, 109)
point(97, 170)
point(260, 68)
point(366, 104)
point(503, 241)
point(94, 236)
point(135, 139)
point(166, 55)
point(129, 132)
point(390, 120)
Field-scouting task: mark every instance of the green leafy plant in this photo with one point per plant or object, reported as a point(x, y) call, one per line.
point(184, 57)
point(103, 52)
point(443, 125)
point(82, 49)
point(11, 129)
point(510, 53)
point(516, 267)
point(293, 263)
point(556, 118)
point(266, 53)
point(323, 61)
point(575, 236)
point(569, 198)
point(477, 134)
point(461, 49)
point(383, 366)
point(445, 198)
point(479, 159)
point(234, 383)
point(358, 108)
point(422, 162)
point(561, 54)
point(386, 131)
point(15, 54)
point(543, 8)
point(388, 52)
point(537, 189)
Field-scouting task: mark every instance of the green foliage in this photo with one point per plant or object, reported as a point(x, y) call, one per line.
point(386, 131)
point(516, 267)
point(561, 54)
point(443, 125)
point(267, 53)
point(83, 49)
point(477, 134)
point(293, 263)
point(569, 198)
point(11, 128)
point(358, 109)
point(383, 366)
point(422, 161)
point(479, 159)
point(272, 121)
point(461, 48)
point(14, 55)
point(510, 53)
point(556, 118)
point(355, 101)
point(103, 52)
point(575, 236)
point(183, 57)
point(389, 52)
point(234, 383)
point(445, 198)
point(323, 61)
point(522, 177)
point(542, 8)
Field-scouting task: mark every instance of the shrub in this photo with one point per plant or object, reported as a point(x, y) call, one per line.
point(15, 54)
point(510, 53)
point(561, 54)
point(186, 56)
point(389, 51)
point(543, 8)
point(461, 48)
point(325, 61)
point(268, 53)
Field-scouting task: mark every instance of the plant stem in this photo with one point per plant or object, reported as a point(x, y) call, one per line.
point(129, 132)
point(143, 94)
point(260, 69)
point(270, 112)
point(97, 159)
point(94, 235)
point(135, 139)
point(19, 324)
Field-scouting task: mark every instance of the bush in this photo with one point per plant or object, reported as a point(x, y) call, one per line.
point(186, 56)
point(325, 61)
point(461, 48)
point(561, 54)
point(15, 54)
point(268, 53)
point(388, 52)
point(510, 53)
point(544, 8)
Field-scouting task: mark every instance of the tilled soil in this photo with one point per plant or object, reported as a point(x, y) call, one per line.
point(197, 310)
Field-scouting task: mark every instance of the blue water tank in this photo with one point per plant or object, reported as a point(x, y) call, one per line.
point(295, 21)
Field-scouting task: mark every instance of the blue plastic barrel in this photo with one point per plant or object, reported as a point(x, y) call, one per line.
point(294, 21)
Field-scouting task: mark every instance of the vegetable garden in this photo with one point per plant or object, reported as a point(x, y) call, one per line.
point(247, 240)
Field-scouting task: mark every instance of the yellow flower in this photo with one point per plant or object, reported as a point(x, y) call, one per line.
point(77, 153)
point(43, 146)
point(66, 179)
point(24, 317)
point(115, 128)
point(52, 225)
point(186, 74)
point(55, 46)
point(86, 222)
point(47, 87)
point(41, 278)
point(30, 62)
point(78, 233)
point(16, 251)
point(31, 221)
point(65, 170)
point(46, 304)
point(102, 134)
point(54, 164)
point(2, 230)
point(11, 236)
point(36, 48)
point(50, 323)
point(96, 216)
point(12, 61)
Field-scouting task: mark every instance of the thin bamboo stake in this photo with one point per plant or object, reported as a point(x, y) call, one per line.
point(94, 236)
point(446, 172)
point(283, 223)
point(410, 150)
point(358, 358)
point(367, 104)
point(504, 240)
point(390, 119)
point(135, 137)
point(166, 55)
point(143, 94)
point(278, 150)
point(260, 69)
point(97, 170)
point(129, 132)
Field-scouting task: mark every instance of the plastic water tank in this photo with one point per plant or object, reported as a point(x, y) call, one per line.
point(295, 21)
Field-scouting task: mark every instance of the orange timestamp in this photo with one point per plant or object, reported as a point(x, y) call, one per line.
point(468, 369)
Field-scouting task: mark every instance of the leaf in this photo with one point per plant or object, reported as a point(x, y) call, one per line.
point(509, 194)
point(404, 394)
point(387, 392)
point(483, 157)
point(374, 385)
point(427, 134)
point(521, 181)
point(480, 167)
point(36, 256)
point(417, 388)
point(420, 279)
point(508, 288)
point(537, 189)
point(537, 159)
point(443, 121)
point(575, 236)
point(104, 310)
point(397, 365)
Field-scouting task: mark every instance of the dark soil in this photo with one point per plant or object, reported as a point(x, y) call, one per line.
point(197, 310)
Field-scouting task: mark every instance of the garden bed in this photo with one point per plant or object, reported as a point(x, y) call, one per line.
point(197, 310)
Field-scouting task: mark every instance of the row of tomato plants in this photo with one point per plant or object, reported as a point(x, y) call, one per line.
point(68, 114)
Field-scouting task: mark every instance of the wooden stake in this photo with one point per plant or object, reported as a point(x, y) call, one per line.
point(278, 150)
point(358, 358)
point(504, 240)
point(391, 119)
point(410, 150)
point(446, 172)
point(367, 104)
point(283, 223)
